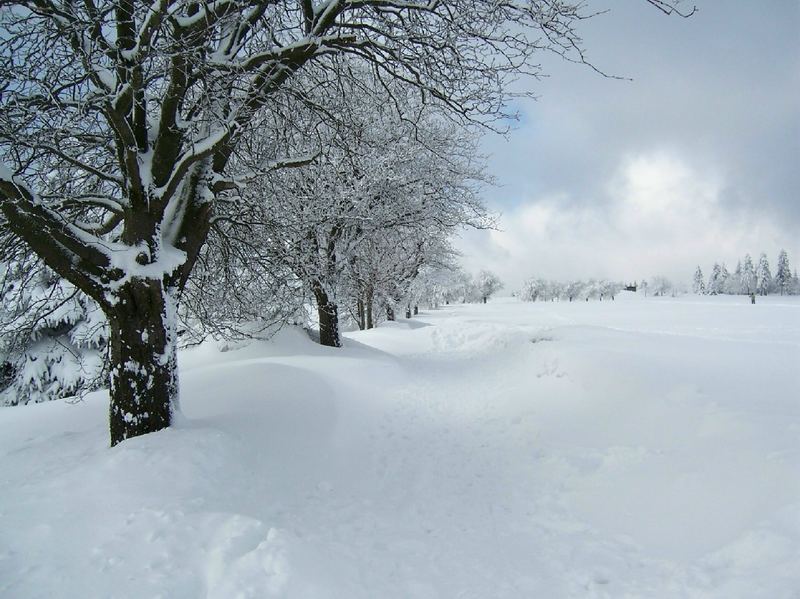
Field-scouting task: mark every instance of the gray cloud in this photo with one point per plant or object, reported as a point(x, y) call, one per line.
point(714, 97)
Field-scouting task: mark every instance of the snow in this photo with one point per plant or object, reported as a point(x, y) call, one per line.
point(636, 448)
point(5, 173)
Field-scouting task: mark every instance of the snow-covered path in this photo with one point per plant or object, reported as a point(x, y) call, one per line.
point(617, 449)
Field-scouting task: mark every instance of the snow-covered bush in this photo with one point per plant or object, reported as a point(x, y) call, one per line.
point(53, 338)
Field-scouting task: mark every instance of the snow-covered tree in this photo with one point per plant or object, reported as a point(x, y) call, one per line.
point(715, 280)
point(725, 278)
point(438, 282)
point(734, 283)
point(488, 284)
point(783, 274)
point(356, 226)
point(610, 289)
point(748, 275)
point(573, 290)
point(53, 338)
point(661, 286)
point(698, 284)
point(538, 289)
point(533, 289)
point(763, 276)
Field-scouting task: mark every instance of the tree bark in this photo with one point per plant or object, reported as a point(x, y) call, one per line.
point(370, 301)
point(144, 376)
point(328, 313)
point(360, 315)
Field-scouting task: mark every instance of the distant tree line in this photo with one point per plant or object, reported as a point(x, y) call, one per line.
point(537, 289)
point(749, 278)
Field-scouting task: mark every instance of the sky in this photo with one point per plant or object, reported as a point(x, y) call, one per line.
point(696, 159)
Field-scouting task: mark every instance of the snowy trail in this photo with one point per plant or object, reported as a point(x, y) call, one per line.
point(506, 450)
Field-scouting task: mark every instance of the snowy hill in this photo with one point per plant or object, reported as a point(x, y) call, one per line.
point(618, 449)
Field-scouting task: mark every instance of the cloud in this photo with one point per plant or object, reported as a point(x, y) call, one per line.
point(659, 215)
point(693, 161)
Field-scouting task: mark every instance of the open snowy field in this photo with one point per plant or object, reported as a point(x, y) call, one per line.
point(636, 448)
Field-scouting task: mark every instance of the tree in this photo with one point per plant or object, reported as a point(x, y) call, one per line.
point(356, 226)
point(53, 338)
point(763, 276)
point(120, 124)
point(573, 289)
point(715, 280)
point(783, 274)
point(533, 289)
point(748, 275)
point(661, 286)
point(439, 281)
point(488, 284)
point(734, 283)
point(698, 285)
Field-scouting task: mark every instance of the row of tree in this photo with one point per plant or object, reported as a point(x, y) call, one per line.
point(349, 233)
point(749, 279)
point(536, 289)
point(54, 339)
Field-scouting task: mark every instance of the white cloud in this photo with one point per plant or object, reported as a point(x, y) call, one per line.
point(659, 214)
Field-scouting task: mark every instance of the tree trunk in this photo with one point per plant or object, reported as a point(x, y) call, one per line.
point(370, 301)
point(328, 313)
point(361, 315)
point(416, 310)
point(484, 299)
point(389, 313)
point(144, 375)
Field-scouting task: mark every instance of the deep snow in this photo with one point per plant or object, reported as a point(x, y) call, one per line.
point(636, 448)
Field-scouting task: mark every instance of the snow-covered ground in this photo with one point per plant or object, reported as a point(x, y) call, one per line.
point(636, 448)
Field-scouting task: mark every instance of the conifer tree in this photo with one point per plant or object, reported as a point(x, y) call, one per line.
point(715, 280)
point(53, 338)
point(763, 276)
point(748, 275)
point(783, 276)
point(698, 287)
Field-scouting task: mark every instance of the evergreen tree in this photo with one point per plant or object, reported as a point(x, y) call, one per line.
point(734, 284)
point(763, 276)
point(698, 286)
point(783, 276)
point(725, 279)
point(53, 338)
point(714, 286)
point(748, 276)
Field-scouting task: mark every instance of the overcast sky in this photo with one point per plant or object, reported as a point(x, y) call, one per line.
point(695, 160)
